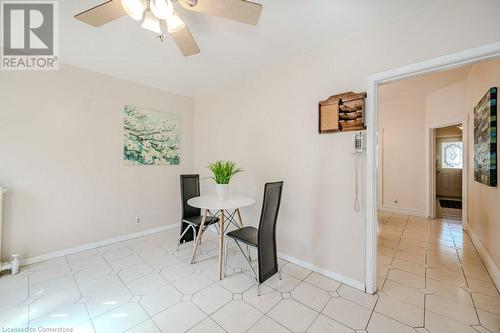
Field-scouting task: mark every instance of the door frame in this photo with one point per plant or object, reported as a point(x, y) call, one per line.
point(450, 61)
point(430, 174)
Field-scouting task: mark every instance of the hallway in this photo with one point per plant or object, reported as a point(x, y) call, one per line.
point(430, 275)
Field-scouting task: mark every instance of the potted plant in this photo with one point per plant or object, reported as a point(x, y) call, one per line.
point(222, 172)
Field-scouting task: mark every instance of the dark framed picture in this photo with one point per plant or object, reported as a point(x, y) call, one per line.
point(485, 139)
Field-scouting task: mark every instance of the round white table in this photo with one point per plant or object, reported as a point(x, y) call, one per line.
point(211, 202)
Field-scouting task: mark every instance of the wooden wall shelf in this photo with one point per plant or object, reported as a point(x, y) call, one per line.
point(342, 113)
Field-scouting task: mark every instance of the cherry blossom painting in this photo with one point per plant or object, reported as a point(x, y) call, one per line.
point(150, 137)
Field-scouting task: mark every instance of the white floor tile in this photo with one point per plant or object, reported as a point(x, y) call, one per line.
point(487, 303)
point(236, 316)
point(48, 273)
point(212, 298)
point(436, 323)
point(147, 274)
point(147, 326)
point(295, 271)
point(162, 261)
point(382, 324)
point(237, 283)
point(207, 326)
point(323, 324)
point(93, 272)
point(99, 285)
point(406, 278)
point(107, 300)
point(267, 325)
point(293, 315)
point(192, 283)
point(357, 296)
point(405, 313)
point(146, 284)
point(81, 263)
point(323, 282)
point(311, 296)
point(134, 272)
point(268, 298)
point(68, 317)
point(177, 271)
point(348, 313)
point(120, 319)
point(489, 320)
point(285, 285)
point(179, 318)
point(455, 310)
point(160, 299)
point(124, 262)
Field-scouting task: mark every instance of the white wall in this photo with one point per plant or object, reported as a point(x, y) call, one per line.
point(61, 146)
point(268, 122)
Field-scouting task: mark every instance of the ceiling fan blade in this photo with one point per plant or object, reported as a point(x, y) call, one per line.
point(102, 14)
point(185, 41)
point(236, 10)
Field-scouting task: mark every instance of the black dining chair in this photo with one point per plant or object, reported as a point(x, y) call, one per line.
point(263, 238)
point(190, 216)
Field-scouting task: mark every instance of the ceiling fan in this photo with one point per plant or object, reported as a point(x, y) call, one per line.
point(161, 16)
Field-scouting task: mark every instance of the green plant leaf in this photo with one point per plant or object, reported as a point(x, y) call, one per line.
point(223, 171)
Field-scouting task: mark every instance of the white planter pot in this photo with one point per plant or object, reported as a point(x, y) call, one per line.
point(222, 191)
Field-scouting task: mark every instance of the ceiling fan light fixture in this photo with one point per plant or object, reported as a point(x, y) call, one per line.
point(151, 22)
point(134, 8)
point(175, 23)
point(162, 9)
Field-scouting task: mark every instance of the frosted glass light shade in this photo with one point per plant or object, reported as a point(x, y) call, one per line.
point(134, 8)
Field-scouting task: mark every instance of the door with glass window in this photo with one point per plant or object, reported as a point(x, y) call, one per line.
point(449, 162)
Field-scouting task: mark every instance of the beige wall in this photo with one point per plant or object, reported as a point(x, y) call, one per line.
point(402, 152)
point(61, 137)
point(407, 109)
point(484, 201)
point(268, 122)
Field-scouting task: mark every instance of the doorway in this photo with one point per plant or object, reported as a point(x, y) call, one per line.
point(443, 63)
point(449, 164)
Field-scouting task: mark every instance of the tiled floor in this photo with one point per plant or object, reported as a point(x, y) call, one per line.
point(429, 275)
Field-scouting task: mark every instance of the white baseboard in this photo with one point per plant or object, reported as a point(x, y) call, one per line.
point(307, 265)
point(323, 271)
point(93, 245)
point(403, 211)
point(89, 246)
point(485, 256)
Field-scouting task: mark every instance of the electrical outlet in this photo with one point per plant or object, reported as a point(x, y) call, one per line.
point(283, 173)
point(137, 220)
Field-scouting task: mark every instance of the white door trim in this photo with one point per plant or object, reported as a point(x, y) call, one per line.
point(446, 62)
point(430, 172)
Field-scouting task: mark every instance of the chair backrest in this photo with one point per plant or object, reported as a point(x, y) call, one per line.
point(268, 258)
point(190, 188)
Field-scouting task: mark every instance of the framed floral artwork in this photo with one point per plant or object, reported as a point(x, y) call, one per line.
point(150, 137)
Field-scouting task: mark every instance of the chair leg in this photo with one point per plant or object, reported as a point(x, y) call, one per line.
point(184, 232)
point(198, 237)
point(225, 256)
point(258, 289)
point(241, 226)
point(279, 272)
point(248, 261)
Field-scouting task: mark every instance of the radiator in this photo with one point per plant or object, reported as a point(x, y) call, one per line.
point(13, 265)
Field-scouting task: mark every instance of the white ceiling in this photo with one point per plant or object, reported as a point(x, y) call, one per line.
point(229, 50)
